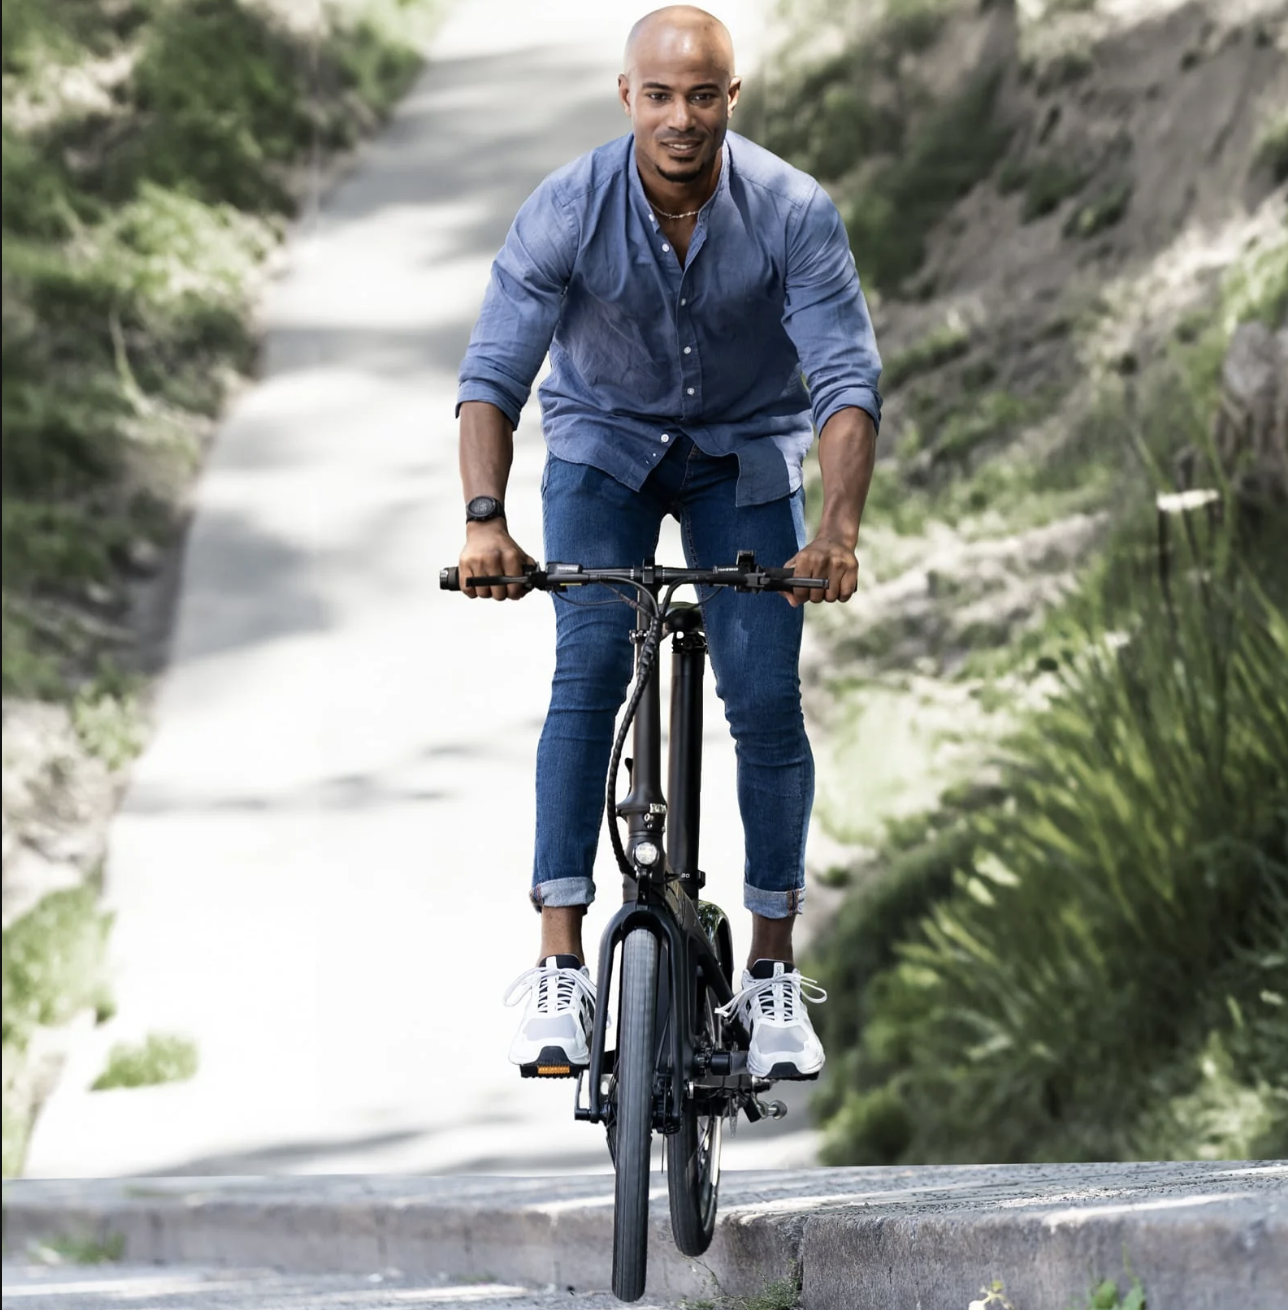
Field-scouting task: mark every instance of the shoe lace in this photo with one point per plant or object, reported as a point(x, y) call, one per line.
point(558, 990)
point(777, 997)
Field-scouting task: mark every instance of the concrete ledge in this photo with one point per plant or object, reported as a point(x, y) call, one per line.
point(1200, 1236)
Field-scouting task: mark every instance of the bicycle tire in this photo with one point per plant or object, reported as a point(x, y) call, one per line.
point(693, 1158)
point(636, 1057)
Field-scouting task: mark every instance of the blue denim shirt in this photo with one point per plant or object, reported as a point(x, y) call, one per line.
point(642, 348)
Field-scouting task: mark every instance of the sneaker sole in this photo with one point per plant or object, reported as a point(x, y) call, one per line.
point(551, 1063)
point(787, 1073)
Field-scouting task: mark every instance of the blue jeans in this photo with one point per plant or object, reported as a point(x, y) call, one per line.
point(592, 519)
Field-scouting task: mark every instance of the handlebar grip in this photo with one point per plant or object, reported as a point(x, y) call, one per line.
point(780, 573)
point(449, 579)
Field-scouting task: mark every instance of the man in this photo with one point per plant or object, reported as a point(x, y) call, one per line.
point(682, 280)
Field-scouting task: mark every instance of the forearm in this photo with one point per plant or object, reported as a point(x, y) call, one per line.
point(487, 450)
point(847, 449)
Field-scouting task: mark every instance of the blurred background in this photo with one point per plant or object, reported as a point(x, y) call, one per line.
point(258, 809)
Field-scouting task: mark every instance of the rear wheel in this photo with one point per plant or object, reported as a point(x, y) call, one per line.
point(693, 1153)
point(633, 1119)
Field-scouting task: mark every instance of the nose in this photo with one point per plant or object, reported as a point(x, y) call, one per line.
point(680, 118)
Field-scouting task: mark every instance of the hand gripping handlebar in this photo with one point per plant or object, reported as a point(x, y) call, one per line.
point(745, 575)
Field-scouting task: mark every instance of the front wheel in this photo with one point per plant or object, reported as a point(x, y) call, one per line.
point(693, 1153)
point(633, 1122)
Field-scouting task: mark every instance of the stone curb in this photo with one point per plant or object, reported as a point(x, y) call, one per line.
point(1199, 1236)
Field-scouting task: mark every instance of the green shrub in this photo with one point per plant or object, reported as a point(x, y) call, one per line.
point(52, 963)
point(1272, 150)
point(1139, 863)
point(957, 145)
point(160, 1058)
point(947, 342)
point(1102, 211)
point(1048, 185)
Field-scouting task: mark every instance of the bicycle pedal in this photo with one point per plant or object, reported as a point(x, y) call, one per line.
point(551, 1063)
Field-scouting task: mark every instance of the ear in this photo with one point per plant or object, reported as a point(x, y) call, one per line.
point(624, 92)
point(735, 90)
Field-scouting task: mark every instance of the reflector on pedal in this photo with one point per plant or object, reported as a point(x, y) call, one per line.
point(554, 1070)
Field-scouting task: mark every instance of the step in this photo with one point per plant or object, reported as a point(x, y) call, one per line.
point(1200, 1236)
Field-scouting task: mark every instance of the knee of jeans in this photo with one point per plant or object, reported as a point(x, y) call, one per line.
point(766, 715)
point(593, 677)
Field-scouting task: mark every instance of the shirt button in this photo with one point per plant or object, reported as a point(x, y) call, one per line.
point(688, 350)
point(690, 391)
point(665, 246)
point(666, 436)
point(684, 302)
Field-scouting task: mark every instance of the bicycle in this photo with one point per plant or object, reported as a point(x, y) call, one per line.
point(680, 1066)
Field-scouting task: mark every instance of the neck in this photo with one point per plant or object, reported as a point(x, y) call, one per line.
point(679, 197)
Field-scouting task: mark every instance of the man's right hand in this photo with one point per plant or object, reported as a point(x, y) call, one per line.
point(491, 551)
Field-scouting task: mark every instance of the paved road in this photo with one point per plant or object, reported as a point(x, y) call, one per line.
point(319, 870)
point(109, 1287)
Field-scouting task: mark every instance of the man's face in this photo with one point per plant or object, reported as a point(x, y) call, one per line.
point(679, 97)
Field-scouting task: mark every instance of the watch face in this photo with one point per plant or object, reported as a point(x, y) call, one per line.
point(483, 507)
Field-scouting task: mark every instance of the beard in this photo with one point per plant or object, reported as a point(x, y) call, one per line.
point(695, 171)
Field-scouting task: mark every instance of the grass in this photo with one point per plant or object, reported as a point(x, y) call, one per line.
point(88, 1250)
point(1136, 863)
point(941, 346)
point(1101, 211)
point(861, 120)
point(1272, 150)
point(780, 1294)
point(1048, 186)
point(1088, 959)
point(956, 146)
point(160, 1058)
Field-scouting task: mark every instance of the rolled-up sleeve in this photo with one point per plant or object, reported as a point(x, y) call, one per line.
point(826, 315)
point(522, 305)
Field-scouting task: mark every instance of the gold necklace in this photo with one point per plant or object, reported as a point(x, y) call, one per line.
point(688, 213)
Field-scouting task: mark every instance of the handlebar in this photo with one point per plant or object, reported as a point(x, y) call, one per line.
point(745, 575)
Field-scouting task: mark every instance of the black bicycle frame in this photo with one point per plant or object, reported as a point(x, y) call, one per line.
point(694, 934)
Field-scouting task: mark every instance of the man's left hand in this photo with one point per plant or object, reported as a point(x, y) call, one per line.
point(825, 557)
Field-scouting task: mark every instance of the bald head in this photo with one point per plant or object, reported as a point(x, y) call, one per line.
point(681, 33)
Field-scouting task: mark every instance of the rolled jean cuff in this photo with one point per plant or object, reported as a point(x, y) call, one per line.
point(559, 893)
point(773, 905)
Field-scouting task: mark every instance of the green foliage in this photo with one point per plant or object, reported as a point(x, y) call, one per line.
point(1101, 211)
point(1138, 865)
point(160, 1058)
point(856, 117)
point(957, 145)
point(133, 223)
point(52, 963)
point(89, 1250)
point(1272, 150)
point(947, 342)
point(1106, 1296)
point(1048, 185)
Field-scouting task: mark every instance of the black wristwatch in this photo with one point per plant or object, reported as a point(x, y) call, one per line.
point(482, 509)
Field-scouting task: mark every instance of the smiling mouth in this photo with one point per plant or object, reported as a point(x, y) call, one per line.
point(681, 147)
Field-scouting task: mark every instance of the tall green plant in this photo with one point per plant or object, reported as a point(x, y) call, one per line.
point(1139, 863)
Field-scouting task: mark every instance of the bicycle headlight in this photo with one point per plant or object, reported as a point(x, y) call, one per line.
point(647, 854)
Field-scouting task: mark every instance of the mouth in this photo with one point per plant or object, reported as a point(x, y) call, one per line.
point(681, 149)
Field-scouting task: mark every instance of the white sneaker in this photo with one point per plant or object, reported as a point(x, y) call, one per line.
point(553, 1040)
point(771, 1005)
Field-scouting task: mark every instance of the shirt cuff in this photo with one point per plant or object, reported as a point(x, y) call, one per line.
point(482, 389)
point(864, 398)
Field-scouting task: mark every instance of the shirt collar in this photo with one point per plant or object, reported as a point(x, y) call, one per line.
point(637, 187)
